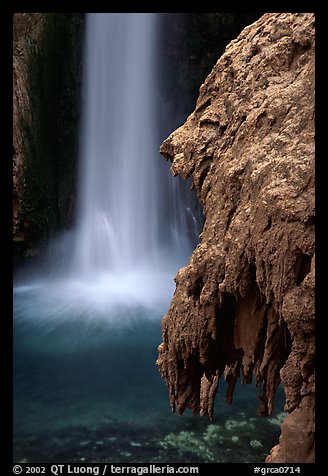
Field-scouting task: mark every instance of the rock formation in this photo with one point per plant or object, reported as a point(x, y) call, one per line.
point(244, 304)
point(46, 74)
point(27, 28)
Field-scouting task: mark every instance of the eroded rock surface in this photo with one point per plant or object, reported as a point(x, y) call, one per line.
point(45, 125)
point(244, 304)
point(26, 32)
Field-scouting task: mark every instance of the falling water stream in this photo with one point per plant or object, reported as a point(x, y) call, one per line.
point(120, 199)
point(87, 325)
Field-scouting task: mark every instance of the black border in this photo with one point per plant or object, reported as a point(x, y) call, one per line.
point(6, 190)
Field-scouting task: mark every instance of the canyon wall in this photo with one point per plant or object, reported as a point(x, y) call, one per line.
point(46, 84)
point(244, 305)
point(27, 29)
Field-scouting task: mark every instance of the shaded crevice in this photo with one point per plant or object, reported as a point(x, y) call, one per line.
point(268, 225)
point(298, 49)
point(225, 318)
point(230, 216)
point(203, 105)
point(277, 350)
point(196, 289)
point(204, 167)
point(310, 222)
point(302, 268)
point(190, 372)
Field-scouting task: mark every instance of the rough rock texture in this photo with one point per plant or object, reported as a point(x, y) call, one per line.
point(244, 304)
point(27, 28)
point(46, 82)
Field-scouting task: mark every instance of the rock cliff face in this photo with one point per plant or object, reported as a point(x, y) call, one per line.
point(244, 304)
point(46, 72)
point(27, 29)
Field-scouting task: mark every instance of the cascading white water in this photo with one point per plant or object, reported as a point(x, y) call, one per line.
point(121, 208)
point(119, 196)
point(135, 226)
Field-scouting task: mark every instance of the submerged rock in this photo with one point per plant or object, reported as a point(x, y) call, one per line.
point(244, 304)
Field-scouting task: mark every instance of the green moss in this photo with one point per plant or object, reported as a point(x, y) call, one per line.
point(51, 136)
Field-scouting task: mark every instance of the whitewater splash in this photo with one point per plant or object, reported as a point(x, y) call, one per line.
point(135, 227)
point(119, 196)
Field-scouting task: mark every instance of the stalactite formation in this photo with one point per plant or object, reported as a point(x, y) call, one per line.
point(244, 304)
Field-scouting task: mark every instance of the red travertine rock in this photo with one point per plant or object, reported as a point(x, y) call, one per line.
point(244, 304)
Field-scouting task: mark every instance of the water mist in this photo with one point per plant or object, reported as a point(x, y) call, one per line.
point(135, 223)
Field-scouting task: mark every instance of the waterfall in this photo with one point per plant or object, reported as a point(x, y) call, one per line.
point(135, 223)
point(123, 203)
point(119, 199)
